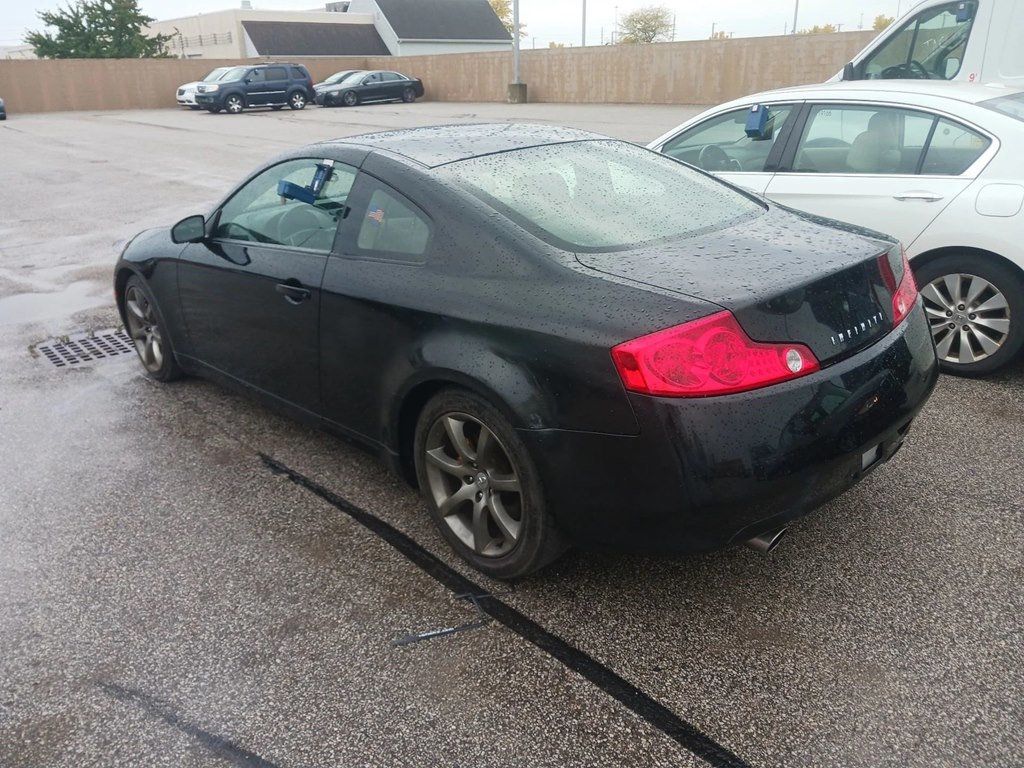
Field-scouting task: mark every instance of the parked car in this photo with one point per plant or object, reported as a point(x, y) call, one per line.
point(936, 165)
point(968, 41)
point(186, 94)
point(3, 110)
point(262, 85)
point(558, 336)
point(335, 79)
point(361, 87)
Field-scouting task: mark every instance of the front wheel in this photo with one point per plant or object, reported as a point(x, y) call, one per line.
point(408, 95)
point(297, 100)
point(975, 309)
point(152, 343)
point(350, 99)
point(482, 488)
point(234, 104)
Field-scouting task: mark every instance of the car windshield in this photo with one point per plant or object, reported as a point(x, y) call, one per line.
point(601, 195)
point(354, 79)
point(217, 74)
point(235, 73)
point(337, 77)
point(1012, 105)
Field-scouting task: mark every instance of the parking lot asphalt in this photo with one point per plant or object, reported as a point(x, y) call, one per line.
point(187, 578)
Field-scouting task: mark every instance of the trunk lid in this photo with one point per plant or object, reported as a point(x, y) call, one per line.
point(785, 276)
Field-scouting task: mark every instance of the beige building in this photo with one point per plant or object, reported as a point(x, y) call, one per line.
point(346, 28)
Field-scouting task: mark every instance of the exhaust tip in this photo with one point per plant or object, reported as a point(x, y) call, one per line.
point(766, 542)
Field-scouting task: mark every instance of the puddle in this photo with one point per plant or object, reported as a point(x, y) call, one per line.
point(33, 307)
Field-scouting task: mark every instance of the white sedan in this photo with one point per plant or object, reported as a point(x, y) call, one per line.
point(940, 166)
point(186, 93)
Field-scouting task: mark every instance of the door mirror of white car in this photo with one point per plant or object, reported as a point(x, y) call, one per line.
point(191, 229)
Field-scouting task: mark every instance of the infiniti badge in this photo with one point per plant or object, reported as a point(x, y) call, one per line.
point(858, 329)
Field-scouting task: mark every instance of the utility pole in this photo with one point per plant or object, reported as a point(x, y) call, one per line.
point(517, 88)
point(583, 37)
point(713, 23)
point(796, 10)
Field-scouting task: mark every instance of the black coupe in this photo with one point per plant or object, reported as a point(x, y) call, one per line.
point(560, 338)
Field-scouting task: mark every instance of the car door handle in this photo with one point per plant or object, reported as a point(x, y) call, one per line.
point(293, 293)
point(927, 197)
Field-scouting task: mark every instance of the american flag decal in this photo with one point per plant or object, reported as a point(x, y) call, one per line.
point(377, 215)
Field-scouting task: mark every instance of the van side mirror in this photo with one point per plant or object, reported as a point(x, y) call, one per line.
point(191, 229)
point(952, 67)
point(849, 71)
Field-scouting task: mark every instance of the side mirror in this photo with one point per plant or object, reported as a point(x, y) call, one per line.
point(952, 67)
point(849, 72)
point(191, 229)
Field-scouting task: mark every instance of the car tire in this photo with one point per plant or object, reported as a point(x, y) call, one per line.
point(145, 326)
point(516, 536)
point(350, 99)
point(995, 335)
point(234, 104)
point(297, 100)
point(408, 95)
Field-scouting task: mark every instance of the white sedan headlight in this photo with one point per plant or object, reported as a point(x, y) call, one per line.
point(210, 88)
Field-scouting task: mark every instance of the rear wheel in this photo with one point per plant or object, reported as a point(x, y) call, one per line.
point(297, 100)
point(234, 104)
point(350, 99)
point(147, 333)
point(482, 487)
point(408, 95)
point(975, 308)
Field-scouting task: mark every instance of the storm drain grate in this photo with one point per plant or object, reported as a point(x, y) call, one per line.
point(86, 348)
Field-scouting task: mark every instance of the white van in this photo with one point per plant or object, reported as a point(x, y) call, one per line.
point(970, 41)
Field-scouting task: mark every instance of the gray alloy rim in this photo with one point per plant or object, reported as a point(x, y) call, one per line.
point(968, 315)
point(234, 105)
point(349, 99)
point(474, 484)
point(298, 101)
point(408, 95)
point(144, 329)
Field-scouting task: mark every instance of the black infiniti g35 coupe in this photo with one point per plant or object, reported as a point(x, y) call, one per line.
point(559, 337)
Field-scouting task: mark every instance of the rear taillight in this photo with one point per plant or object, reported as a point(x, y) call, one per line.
point(905, 296)
point(710, 356)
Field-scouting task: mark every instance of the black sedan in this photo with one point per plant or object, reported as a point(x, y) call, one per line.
point(363, 87)
point(3, 110)
point(560, 338)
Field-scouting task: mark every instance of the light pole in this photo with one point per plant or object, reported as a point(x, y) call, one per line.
point(517, 88)
point(796, 10)
point(583, 37)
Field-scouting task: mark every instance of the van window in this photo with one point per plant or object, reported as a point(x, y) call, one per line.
point(1008, 105)
point(277, 73)
point(930, 46)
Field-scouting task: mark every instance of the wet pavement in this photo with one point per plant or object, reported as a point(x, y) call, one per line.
point(187, 578)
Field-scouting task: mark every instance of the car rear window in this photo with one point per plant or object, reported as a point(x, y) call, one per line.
point(299, 74)
point(1012, 105)
point(601, 195)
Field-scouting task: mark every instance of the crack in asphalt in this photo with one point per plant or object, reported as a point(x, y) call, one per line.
point(652, 711)
point(219, 745)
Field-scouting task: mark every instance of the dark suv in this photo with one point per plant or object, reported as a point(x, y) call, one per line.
point(260, 85)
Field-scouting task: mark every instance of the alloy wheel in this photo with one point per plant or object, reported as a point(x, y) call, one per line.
point(350, 99)
point(234, 105)
point(408, 95)
point(144, 329)
point(474, 484)
point(969, 317)
point(298, 101)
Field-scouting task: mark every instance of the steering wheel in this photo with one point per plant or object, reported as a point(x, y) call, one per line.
point(713, 158)
point(913, 69)
point(295, 225)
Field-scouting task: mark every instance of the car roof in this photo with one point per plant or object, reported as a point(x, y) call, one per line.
point(440, 144)
point(890, 90)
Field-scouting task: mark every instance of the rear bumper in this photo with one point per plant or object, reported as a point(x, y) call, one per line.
point(704, 473)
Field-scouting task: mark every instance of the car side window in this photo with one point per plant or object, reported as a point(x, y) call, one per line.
point(856, 138)
point(298, 74)
point(392, 226)
point(931, 45)
point(374, 78)
point(276, 73)
point(953, 149)
point(256, 213)
point(720, 143)
point(256, 76)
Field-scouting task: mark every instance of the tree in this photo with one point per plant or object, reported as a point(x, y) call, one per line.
point(503, 10)
point(881, 22)
point(652, 24)
point(721, 35)
point(97, 29)
point(553, 44)
point(820, 29)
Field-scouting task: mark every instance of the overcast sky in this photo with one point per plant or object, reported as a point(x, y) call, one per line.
point(555, 20)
